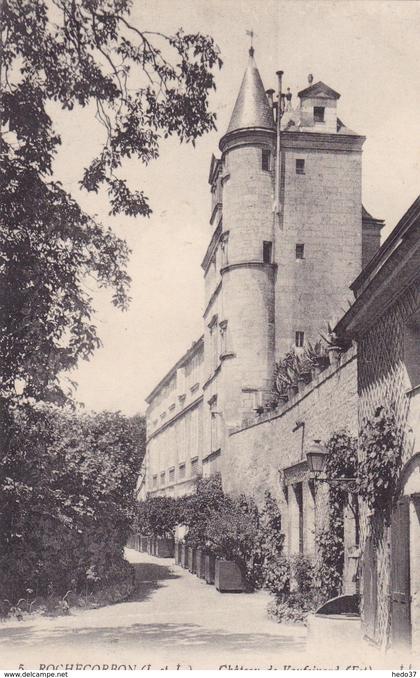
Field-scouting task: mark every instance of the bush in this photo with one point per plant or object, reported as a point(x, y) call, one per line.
point(295, 607)
point(270, 569)
point(232, 532)
point(67, 486)
point(277, 575)
point(293, 583)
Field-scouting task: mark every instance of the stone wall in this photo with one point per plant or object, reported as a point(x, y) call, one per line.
point(322, 210)
point(258, 453)
point(384, 380)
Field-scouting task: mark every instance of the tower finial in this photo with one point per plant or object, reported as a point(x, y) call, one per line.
point(251, 35)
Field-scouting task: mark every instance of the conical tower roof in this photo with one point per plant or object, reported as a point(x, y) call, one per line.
point(251, 108)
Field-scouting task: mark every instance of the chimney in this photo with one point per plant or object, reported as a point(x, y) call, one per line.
point(269, 93)
point(310, 78)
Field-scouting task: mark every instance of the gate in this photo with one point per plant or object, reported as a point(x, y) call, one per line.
point(400, 574)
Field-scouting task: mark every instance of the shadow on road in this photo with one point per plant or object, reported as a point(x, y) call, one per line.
point(149, 577)
point(153, 636)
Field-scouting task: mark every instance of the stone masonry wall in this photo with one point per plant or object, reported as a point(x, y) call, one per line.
point(256, 453)
point(383, 379)
point(322, 210)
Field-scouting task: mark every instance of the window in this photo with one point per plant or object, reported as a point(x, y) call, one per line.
point(194, 466)
point(182, 470)
point(300, 166)
point(214, 343)
point(299, 338)
point(154, 481)
point(162, 478)
point(172, 475)
point(214, 424)
point(223, 338)
point(224, 247)
point(267, 252)
point(300, 251)
point(319, 114)
point(265, 160)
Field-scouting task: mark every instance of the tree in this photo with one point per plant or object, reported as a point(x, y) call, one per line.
point(145, 86)
point(66, 498)
point(157, 516)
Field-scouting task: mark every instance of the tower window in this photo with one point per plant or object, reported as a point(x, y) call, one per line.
point(299, 339)
point(194, 466)
point(300, 166)
point(319, 114)
point(300, 251)
point(267, 252)
point(265, 160)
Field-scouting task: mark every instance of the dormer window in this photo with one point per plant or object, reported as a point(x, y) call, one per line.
point(319, 114)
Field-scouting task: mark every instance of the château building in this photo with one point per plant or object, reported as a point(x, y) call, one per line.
point(291, 243)
point(288, 234)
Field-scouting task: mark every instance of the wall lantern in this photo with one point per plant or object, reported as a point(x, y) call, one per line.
point(315, 456)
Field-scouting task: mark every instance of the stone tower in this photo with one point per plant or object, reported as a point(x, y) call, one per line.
point(239, 266)
point(319, 234)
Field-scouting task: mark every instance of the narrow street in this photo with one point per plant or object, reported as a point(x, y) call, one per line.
point(172, 618)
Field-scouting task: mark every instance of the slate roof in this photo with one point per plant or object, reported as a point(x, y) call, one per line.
point(318, 90)
point(252, 109)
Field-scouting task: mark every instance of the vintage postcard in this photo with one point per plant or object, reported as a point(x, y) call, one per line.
point(210, 335)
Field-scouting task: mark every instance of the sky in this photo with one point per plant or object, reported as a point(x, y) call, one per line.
point(367, 51)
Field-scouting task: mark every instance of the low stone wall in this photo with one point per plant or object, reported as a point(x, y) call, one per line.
point(258, 453)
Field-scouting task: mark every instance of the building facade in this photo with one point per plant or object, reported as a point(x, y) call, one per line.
point(384, 321)
point(288, 236)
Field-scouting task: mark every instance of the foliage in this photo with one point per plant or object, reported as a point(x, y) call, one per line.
point(303, 574)
point(316, 354)
point(294, 366)
point(67, 486)
point(330, 564)
point(268, 559)
point(231, 528)
point(143, 85)
point(196, 509)
point(381, 441)
point(341, 462)
point(295, 608)
point(278, 575)
point(231, 532)
point(297, 594)
point(157, 516)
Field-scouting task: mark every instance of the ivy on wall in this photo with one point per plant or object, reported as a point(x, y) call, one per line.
point(341, 462)
point(380, 444)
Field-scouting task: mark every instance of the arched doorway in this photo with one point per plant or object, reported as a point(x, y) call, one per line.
point(405, 559)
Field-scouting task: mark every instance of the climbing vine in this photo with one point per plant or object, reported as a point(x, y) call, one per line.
point(380, 445)
point(341, 462)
